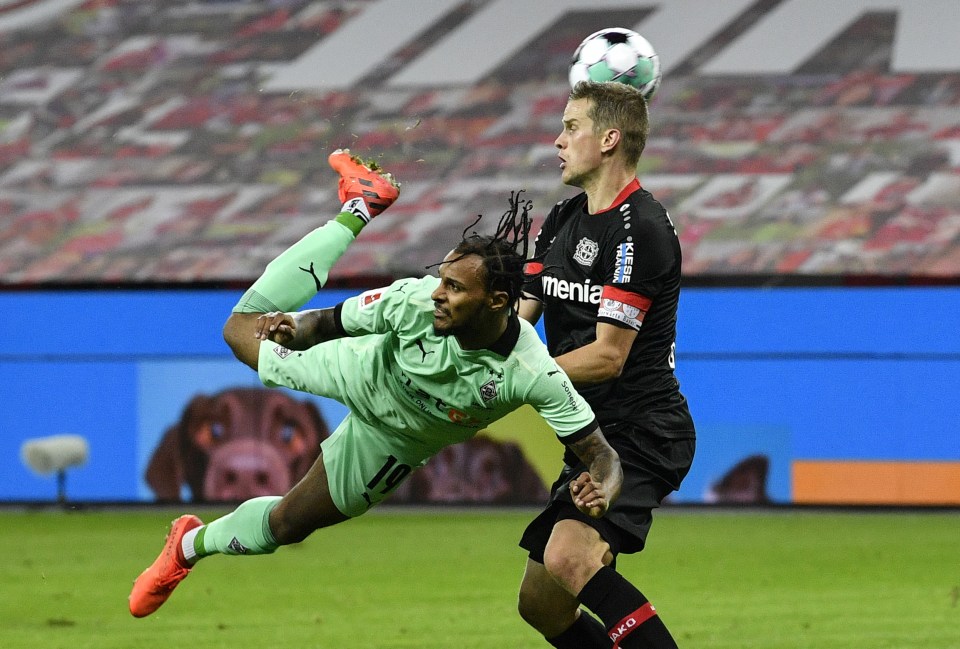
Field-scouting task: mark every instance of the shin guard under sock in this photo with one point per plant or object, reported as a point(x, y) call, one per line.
point(630, 620)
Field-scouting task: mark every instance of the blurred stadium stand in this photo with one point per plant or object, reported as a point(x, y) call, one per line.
point(146, 143)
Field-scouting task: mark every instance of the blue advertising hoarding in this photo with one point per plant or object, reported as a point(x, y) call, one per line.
point(813, 381)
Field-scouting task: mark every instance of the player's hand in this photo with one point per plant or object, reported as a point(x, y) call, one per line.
point(279, 327)
point(588, 496)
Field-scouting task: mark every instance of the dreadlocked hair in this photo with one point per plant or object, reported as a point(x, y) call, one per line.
point(505, 252)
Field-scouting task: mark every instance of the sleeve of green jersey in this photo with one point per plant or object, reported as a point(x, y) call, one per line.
point(382, 310)
point(554, 397)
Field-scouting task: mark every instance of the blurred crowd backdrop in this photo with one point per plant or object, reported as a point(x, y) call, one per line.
point(185, 141)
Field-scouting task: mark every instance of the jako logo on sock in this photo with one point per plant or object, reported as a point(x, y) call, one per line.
point(627, 624)
point(616, 633)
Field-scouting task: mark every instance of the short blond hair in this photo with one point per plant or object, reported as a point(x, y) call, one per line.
point(617, 105)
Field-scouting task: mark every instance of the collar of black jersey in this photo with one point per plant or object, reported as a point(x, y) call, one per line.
point(508, 339)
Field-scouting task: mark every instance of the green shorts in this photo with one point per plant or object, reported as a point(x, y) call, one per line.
point(364, 465)
point(379, 442)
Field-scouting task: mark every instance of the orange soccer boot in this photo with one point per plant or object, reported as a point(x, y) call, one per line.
point(364, 188)
point(155, 584)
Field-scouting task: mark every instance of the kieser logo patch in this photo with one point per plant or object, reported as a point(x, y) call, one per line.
point(586, 252)
point(281, 351)
point(624, 263)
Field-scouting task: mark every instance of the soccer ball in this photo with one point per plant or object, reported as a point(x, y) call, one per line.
point(617, 54)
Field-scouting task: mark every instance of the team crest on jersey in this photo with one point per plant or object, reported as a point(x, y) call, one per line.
point(586, 252)
point(488, 391)
point(282, 351)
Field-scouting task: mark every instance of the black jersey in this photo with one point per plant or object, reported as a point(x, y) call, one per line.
point(620, 266)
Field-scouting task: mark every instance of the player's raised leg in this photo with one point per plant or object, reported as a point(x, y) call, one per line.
point(293, 278)
point(261, 525)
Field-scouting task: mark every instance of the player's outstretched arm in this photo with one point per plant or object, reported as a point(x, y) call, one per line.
point(301, 330)
point(594, 490)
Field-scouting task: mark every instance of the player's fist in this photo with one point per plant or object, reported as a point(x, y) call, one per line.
point(279, 327)
point(588, 496)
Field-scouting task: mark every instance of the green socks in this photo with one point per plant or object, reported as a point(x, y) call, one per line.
point(292, 279)
point(246, 530)
point(353, 222)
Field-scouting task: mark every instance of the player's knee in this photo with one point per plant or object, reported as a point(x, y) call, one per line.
point(560, 563)
point(571, 565)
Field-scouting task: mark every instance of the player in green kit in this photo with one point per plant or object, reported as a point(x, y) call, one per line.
point(421, 364)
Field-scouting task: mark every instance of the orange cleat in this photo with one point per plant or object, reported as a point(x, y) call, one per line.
point(155, 584)
point(364, 189)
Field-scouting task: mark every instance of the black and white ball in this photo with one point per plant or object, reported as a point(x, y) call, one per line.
point(617, 54)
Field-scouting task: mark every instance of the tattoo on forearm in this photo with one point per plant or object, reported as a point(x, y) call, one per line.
point(599, 457)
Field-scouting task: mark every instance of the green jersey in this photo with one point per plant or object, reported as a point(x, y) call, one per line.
point(398, 376)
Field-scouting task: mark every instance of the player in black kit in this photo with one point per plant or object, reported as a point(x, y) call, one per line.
point(606, 277)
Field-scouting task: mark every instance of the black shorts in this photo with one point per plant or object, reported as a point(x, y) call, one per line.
point(653, 467)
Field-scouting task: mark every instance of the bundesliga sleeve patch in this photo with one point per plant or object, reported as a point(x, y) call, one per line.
point(623, 306)
point(367, 298)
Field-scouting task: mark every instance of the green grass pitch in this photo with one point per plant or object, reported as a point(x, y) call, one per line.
point(721, 579)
